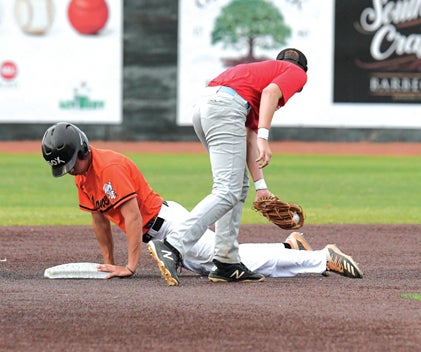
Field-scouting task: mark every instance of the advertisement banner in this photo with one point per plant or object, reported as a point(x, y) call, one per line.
point(363, 56)
point(61, 60)
point(207, 46)
point(377, 51)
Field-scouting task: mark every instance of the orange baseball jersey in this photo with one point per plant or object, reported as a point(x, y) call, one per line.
point(111, 180)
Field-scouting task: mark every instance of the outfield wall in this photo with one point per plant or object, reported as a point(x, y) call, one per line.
point(151, 85)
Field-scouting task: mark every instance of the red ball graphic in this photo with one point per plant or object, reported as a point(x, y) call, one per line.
point(88, 16)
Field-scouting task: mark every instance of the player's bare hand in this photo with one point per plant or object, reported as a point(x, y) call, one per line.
point(114, 270)
point(262, 193)
point(265, 153)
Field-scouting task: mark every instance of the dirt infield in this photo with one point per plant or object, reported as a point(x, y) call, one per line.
point(306, 313)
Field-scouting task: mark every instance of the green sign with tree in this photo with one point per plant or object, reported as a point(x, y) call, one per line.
point(252, 24)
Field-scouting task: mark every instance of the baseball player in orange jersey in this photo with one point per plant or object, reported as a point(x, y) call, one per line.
point(112, 188)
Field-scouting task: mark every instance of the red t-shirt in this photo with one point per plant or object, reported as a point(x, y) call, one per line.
point(111, 180)
point(249, 80)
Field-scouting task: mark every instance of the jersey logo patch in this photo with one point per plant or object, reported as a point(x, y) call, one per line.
point(109, 191)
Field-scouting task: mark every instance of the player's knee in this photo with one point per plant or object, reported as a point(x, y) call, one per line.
point(230, 197)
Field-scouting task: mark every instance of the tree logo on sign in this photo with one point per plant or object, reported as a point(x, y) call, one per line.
point(251, 24)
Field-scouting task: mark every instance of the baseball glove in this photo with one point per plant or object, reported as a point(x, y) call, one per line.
point(285, 215)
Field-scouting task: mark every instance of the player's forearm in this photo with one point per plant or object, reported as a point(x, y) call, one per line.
point(102, 229)
point(133, 222)
point(252, 154)
point(107, 255)
point(134, 238)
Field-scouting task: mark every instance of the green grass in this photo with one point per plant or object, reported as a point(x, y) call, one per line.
point(331, 189)
point(416, 296)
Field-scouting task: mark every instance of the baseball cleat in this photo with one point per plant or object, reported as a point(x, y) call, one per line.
point(297, 241)
point(168, 260)
point(236, 272)
point(342, 264)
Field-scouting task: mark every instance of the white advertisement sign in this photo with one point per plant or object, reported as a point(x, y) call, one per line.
point(61, 60)
point(204, 52)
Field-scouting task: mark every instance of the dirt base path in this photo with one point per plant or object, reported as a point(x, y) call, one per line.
point(306, 313)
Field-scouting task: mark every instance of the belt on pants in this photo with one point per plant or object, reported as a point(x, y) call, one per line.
point(232, 92)
point(154, 224)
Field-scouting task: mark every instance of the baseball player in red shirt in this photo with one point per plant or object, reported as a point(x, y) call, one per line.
point(232, 121)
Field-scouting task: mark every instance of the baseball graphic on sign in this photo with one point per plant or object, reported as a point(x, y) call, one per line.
point(88, 16)
point(34, 16)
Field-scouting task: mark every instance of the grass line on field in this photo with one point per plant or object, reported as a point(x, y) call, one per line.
point(331, 189)
point(416, 296)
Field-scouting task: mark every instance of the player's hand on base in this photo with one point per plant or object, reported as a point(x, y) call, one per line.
point(114, 270)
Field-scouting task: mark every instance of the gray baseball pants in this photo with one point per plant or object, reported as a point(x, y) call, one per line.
point(219, 122)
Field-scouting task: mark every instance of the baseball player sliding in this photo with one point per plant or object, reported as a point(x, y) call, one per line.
point(112, 188)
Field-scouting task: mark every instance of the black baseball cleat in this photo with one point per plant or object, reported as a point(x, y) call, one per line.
point(236, 272)
point(168, 260)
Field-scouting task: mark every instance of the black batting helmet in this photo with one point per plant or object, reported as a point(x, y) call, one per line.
point(294, 55)
point(62, 144)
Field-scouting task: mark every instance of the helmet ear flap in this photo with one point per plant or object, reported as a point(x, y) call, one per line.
point(84, 151)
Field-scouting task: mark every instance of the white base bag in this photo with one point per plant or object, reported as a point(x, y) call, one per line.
point(75, 271)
